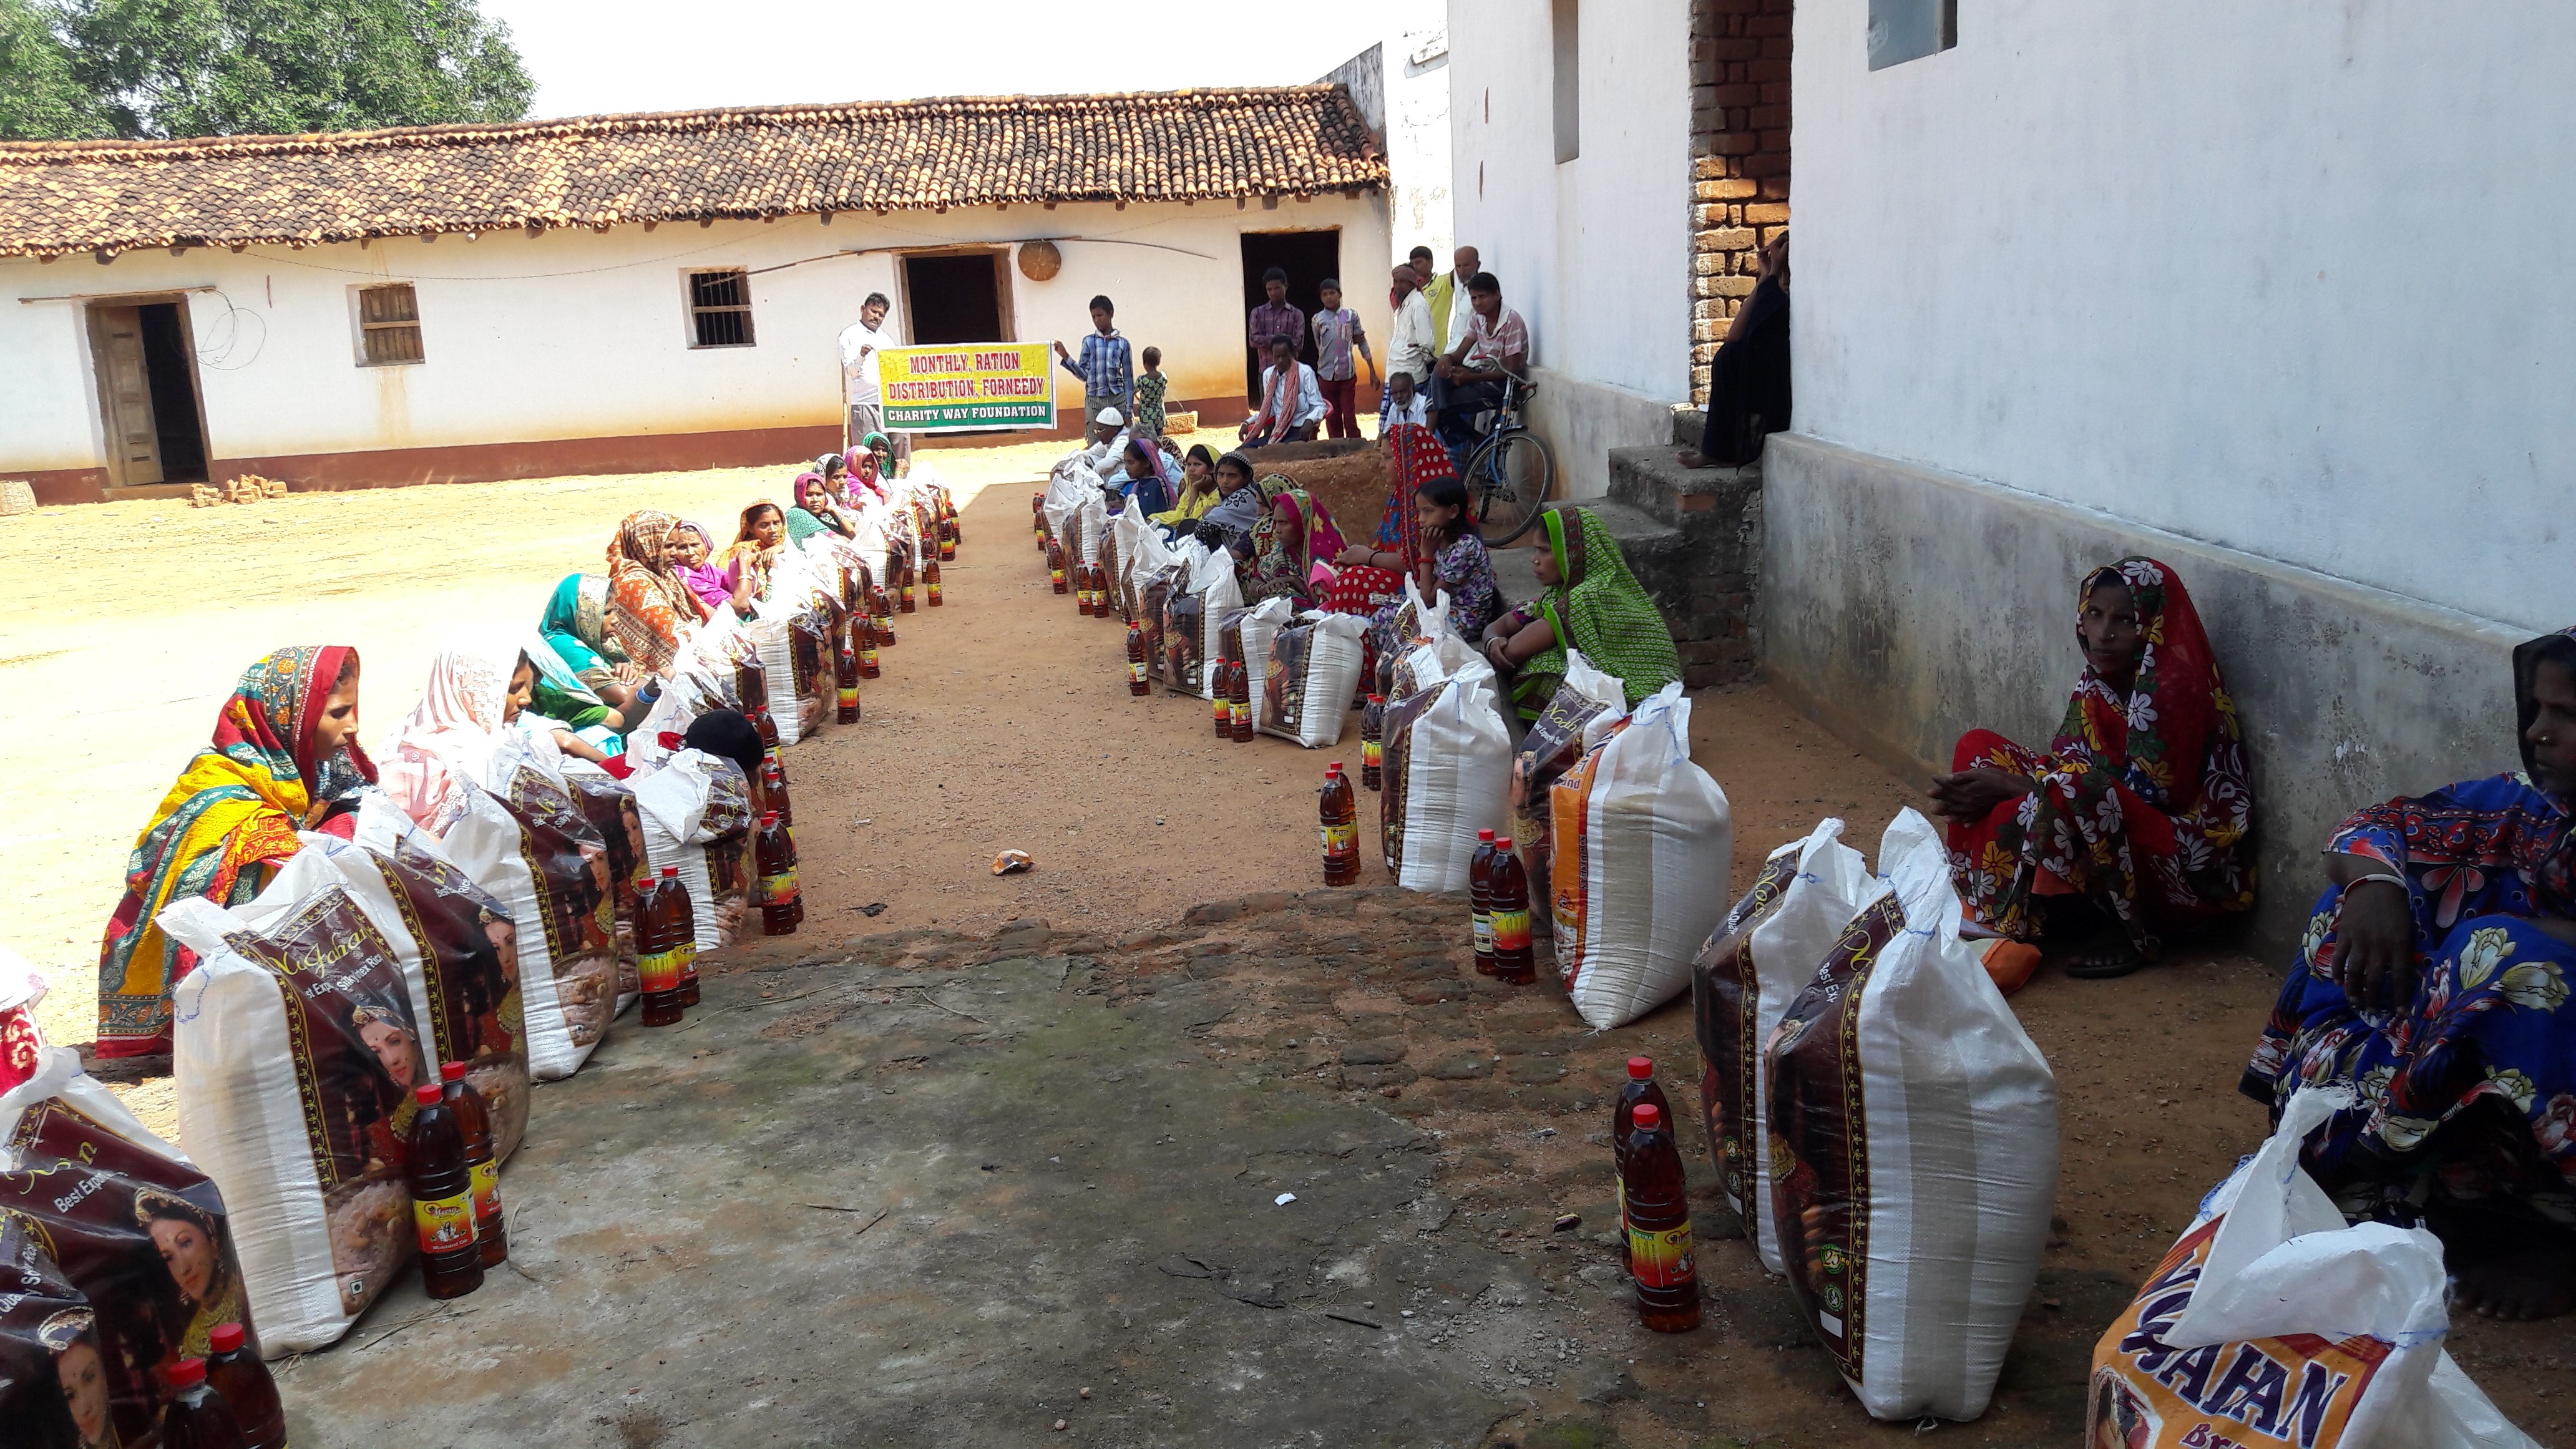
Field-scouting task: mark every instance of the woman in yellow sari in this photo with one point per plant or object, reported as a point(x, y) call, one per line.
point(284, 758)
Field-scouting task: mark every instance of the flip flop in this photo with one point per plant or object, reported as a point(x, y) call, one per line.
point(2081, 969)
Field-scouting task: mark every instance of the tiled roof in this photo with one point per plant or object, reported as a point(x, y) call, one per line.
point(59, 197)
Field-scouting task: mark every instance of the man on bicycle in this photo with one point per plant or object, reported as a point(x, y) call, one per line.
point(1496, 350)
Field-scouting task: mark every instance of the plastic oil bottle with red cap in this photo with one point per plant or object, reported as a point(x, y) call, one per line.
point(442, 1197)
point(1339, 813)
point(1480, 900)
point(1659, 1227)
point(197, 1416)
point(774, 857)
point(1507, 890)
point(474, 1118)
point(1640, 1088)
point(666, 939)
point(233, 1370)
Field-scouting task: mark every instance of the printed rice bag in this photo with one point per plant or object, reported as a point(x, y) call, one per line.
point(572, 856)
point(609, 804)
point(539, 877)
point(770, 639)
point(1430, 661)
point(1154, 590)
point(696, 815)
point(1447, 763)
point(295, 1053)
point(1213, 584)
point(1307, 677)
point(1759, 958)
point(1643, 842)
point(1184, 639)
point(122, 1245)
point(1913, 1148)
point(456, 945)
point(1586, 706)
point(2272, 1325)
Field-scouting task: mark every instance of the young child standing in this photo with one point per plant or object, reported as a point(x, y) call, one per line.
point(1337, 332)
point(1147, 419)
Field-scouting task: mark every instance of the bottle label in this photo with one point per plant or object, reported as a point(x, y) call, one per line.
point(1239, 712)
point(658, 970)
point(1372, 755)
point(1511, 930)
point(1484, 933)
point(934, 593)
point(868, 656)
point(486, 1176)
point(777, 890)
point(688, 954)
point(1342, 839)
point(1660, 1260)
point(1056, 577)
point(444, 1224)
point(1136, 671)
point(850, 697)
point(1224, 711)
point(1621, 1183)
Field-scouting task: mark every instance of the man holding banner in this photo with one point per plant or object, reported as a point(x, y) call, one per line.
point(861, 343)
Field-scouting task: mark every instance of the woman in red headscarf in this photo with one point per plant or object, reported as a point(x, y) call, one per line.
point(2133, 828)
point(284, 758)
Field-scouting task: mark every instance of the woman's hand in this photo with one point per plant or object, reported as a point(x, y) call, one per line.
point(1971, 795)
point(629, 674)
point(1353, 555)
point(2375, 946)
point(741, 589)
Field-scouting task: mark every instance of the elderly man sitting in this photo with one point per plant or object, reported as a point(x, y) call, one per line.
point(1107, 441)
point(1292, 401)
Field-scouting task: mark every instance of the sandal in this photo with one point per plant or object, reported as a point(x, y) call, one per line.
point(2105, 961)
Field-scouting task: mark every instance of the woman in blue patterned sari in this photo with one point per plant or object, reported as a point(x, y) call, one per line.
point(2433, 985)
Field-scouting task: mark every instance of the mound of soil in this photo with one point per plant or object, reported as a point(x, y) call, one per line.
point(1353, 486)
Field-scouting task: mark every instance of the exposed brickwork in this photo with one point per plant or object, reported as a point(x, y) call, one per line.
point(1739, 158)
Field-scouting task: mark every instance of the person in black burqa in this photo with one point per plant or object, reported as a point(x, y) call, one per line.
point(1748, 380)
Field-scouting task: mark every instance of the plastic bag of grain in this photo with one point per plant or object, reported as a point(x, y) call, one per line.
point(609, 804)
point(1576, 718)
point(126, 1227)
point(1431, 660)
point(1250, 629)
point(572, 854)
point(1758, 958)
point(1642, 843)
point(58, 1383)
point(539, 877)
point(1419, 618)
point(2272, 1325)
point(457, 949)
point(1155, 592)
point(1070, 484)
point(1913, 1148)
point(777, 654)
point(1309, 671)
point(1214, 586)
point(295, 1054)
point(1447, 760)
point(695, 812)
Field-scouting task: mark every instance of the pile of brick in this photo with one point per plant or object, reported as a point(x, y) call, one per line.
point(248, 488)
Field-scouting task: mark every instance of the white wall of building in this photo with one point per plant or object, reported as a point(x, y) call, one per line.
point(580, 335)
point(2286, 279)
point(1595, 251)
point(1401, 86)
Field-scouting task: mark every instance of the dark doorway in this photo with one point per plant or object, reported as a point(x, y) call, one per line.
point(147, 391)
point(955, 297)
point(1308, 257)
point(171, 361)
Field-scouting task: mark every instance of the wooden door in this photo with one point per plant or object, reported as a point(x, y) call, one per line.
point(125, 392)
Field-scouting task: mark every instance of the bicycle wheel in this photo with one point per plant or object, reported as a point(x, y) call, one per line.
point(1507, 484)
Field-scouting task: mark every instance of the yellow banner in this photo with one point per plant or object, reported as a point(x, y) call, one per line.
point(964, 386)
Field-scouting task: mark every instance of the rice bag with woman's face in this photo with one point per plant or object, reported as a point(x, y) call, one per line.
point(123, 1249)
point(295, 1053)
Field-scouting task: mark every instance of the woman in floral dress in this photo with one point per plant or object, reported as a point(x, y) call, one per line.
point(2431, 986)
point(2134, 827)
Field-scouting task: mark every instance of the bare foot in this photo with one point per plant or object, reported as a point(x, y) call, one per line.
point(1692, 459)
point(2518, 1287)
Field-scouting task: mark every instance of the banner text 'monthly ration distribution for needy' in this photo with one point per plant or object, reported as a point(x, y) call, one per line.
point(968, 385)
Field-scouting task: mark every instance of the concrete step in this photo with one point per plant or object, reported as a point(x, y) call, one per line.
point(1688, 423)
point(1654, 482)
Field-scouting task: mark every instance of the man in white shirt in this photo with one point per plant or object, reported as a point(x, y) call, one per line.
point(861, 341)
point(1461, 313)
point(1411, 348)
point(1109, 434)
point(1292, 401)
point(1401, 404)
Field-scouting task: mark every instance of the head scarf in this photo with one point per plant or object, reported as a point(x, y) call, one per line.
point(803, 522)
point(864, 485)
point(712, 585)
point(234, 810)
point(1415, 457)
point(1597, 606)
point(1237, 512)
point(557, 693)
point(439, 752)
point(649, 609)
point(576, 623)
point(1153, 490)
point(1279, 543)
point(2172, 736)
point(828, 464)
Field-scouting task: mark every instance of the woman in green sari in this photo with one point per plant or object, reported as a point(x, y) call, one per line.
point(575, 625)
point(1588, 601)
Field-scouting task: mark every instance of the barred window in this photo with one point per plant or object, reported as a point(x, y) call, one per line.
point(720, 308)
point(388, 325)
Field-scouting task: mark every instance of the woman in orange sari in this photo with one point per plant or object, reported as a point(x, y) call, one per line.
point(649, 609)
point(284, 758)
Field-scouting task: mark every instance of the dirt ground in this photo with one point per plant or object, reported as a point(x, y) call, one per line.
point(1439, 1123)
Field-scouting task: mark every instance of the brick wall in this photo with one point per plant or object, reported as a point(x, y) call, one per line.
point(1739, 159)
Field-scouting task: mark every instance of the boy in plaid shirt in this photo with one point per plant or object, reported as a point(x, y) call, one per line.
point(1337, 331)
